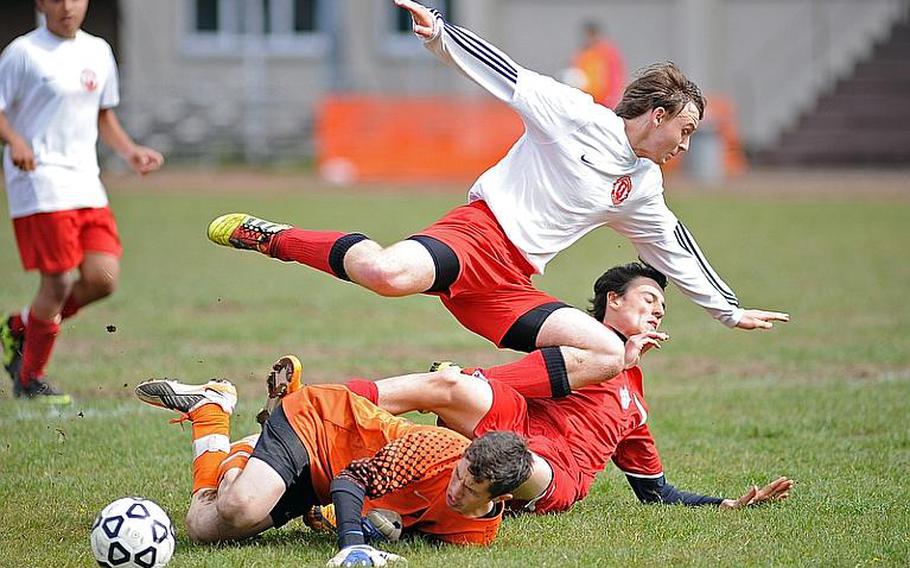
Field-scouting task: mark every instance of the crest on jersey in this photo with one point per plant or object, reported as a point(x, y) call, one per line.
point(624, 398)
point(89, 80)
point(621, 189)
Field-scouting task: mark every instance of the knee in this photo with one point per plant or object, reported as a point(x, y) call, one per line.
point(235, 510)
point(384, 275)
point(102, 284)
point(196, 530)
point(604, 358)
point(446, 387)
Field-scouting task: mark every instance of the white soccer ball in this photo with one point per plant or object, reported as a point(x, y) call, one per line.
point(133, 532)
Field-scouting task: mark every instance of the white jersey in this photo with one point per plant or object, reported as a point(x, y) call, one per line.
point(574, 170)
point(51, 90)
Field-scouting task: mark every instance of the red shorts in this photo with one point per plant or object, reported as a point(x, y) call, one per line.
point(57, 242)
point(509, 412)
point(493, 289)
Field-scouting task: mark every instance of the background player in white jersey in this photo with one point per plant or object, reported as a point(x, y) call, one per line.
point(58, 88)
point(577, 166)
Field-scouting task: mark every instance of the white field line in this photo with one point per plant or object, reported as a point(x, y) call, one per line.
point(32, 411)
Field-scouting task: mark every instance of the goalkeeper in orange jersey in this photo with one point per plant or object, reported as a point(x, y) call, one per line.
point(325, 444)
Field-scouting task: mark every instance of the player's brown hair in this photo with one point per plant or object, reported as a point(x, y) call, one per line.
point(617, 280)
point(502, 458)
point(660, 85)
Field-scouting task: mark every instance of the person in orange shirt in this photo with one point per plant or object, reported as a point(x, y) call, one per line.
point(601, 64)
point(325, 444)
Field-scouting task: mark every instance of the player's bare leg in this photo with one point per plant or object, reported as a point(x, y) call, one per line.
point(42, 328)
point(205, 524)
point(401, 269)
point(99, 274)
point(592, 352)
point(238, 505)
point(460, 400)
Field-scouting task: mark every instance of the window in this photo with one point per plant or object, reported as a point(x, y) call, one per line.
point(207, 15)
point(292, 27)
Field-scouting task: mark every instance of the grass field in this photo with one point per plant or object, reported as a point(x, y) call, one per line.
point(824, 399)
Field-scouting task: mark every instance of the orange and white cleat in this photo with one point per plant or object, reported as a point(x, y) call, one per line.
point(183, 398)
point(284, 378)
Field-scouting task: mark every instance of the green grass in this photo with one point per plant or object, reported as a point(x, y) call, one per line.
point(825, 399)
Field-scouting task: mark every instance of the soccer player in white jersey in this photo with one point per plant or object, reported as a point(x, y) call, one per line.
point(578, 165)
point(58, 89)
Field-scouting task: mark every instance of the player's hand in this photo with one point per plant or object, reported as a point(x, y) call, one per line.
point(422, 18)
point(760, 319)
point(144, 160)
point(640, 343)
point(22, 156)
point(775, 491)
point(362, 555)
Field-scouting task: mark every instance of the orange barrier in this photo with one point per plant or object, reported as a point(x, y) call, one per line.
point(720, 116)
point(421, 139)
point(380, 138)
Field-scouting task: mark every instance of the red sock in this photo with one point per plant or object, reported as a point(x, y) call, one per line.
point(39, 342)
point(366, 389)
point(322, 250)
point(540, 374)
point(70, 308)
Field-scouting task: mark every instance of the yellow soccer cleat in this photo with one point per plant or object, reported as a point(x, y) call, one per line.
point(245, 232)
point(284, 378)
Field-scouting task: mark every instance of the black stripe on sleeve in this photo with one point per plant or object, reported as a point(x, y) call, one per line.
point(493, 60)
point(684, 238)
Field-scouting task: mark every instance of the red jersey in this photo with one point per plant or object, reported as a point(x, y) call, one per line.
point(580, 433)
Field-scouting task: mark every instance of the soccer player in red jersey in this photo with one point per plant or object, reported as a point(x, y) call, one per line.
point(574, 437)
point(325, 444)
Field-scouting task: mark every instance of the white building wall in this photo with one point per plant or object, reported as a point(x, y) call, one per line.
point(772, 57)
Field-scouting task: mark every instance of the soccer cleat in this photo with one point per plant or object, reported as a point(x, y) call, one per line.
point(442, 366)
point(40, 390)
point(321, 518)
point(11, 342)
point(183, 398)
point(283, 379)
point(243, 231)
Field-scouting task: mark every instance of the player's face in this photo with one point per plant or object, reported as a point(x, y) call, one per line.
point(64, 17)
point(640, 309)
point(465, 494)
point(671, 136)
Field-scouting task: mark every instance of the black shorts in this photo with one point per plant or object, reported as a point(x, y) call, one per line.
point(281, 448)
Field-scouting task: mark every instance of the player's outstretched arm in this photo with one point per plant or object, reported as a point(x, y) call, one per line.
point(761, 319)
point(671, 249)
point(777, 490)
point(141, 159)
point(479, 60)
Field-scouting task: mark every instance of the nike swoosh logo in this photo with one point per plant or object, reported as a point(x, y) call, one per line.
point(584, 158)
point(599, 169)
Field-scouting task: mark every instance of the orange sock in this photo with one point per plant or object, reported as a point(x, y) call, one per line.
point(211, 443)
point(240, 453)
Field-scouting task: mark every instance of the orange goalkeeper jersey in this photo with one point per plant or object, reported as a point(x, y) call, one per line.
point(408, 466)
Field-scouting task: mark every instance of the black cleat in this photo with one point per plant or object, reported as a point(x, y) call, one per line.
point(39, 389)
